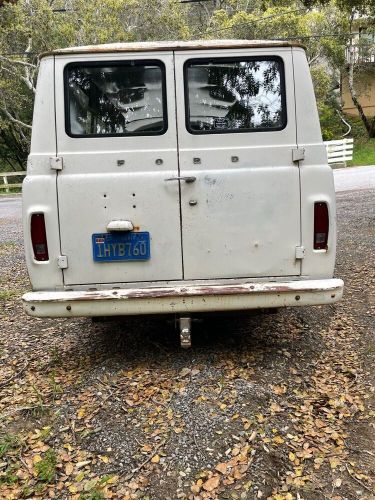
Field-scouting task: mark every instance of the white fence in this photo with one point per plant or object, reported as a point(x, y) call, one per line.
point(6, 186)
point(339, 151)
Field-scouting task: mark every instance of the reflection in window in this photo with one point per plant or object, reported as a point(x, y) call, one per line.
point(227, 96)
point(115, 99)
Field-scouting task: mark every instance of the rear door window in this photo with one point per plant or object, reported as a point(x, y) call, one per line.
point(119, 98)
point(235, 95)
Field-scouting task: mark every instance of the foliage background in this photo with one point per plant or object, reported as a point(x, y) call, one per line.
point(29, 27)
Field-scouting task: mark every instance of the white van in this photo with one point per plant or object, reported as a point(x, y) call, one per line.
point(177, 177)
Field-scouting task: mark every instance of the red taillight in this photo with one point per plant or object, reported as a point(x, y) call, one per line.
point(321, 225)
point(38, 237)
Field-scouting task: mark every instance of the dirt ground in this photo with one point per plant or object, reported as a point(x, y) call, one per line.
point(264, 406)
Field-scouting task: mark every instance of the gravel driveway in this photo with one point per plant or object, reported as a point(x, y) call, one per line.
point(263, 406)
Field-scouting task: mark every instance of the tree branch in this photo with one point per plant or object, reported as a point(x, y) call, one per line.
point(25, 79)
point(314, 58)
point(14, 120)
point(13, 61)
point(28, 79)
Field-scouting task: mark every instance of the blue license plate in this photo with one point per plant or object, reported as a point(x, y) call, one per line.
point(109, 247)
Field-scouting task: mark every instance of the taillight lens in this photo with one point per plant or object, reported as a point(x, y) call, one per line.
point(39, 237)
point(321, 225)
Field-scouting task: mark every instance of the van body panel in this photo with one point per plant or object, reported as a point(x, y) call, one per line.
point(119, 178)
point(43, 134)
point(233, 230)
point(317, 185)
point(43, 275)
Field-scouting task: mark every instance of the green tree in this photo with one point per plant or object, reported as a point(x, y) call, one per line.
point(360, 50)
point(29, 27)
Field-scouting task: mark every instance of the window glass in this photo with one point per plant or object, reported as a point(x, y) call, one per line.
point(235, 95)
point(115, 99)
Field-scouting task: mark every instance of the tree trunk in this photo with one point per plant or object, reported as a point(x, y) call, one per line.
point(368, 123)
point(372, 131)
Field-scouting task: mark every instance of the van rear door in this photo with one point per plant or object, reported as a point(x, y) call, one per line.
point(237, 131)
point(116, 135)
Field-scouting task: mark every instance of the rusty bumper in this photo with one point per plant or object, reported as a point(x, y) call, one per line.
point(182, 299)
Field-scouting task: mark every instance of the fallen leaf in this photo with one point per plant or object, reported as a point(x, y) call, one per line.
point(195, 489)
point(279, 389)
point(222, 467)
point(155, 459)
point(252, 436)
point(69, 468)
point(247, 425)
point(37, 458)
point(298, 471)
point(89, 485)
point(275, 408)
point(79, 476)
point(212, 483)
point(334, 462)
point(81, 413)
point(83, 463)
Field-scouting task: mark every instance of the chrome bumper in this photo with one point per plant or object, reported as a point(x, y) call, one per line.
point(182, 299)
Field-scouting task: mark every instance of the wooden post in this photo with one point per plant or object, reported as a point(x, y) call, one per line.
point(6, 183)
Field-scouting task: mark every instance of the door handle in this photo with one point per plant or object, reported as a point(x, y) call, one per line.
point(181, 178)
point(120, 225)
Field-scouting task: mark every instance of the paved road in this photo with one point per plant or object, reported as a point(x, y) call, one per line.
point(10, 207)
point(353, 179)
point(346, 179)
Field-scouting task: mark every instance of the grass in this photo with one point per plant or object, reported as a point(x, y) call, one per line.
point(7, 294)
point(364, 152)
point(8, 442)
point(46, 468)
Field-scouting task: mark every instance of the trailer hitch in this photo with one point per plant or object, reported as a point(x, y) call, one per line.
point(185, 332)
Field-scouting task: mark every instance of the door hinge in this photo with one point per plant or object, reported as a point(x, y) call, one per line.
point(62, 261)
point(300, 252)
point(56, 163)
point(298, 154)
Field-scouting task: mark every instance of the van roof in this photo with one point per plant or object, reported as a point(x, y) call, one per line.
point(172, 45)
